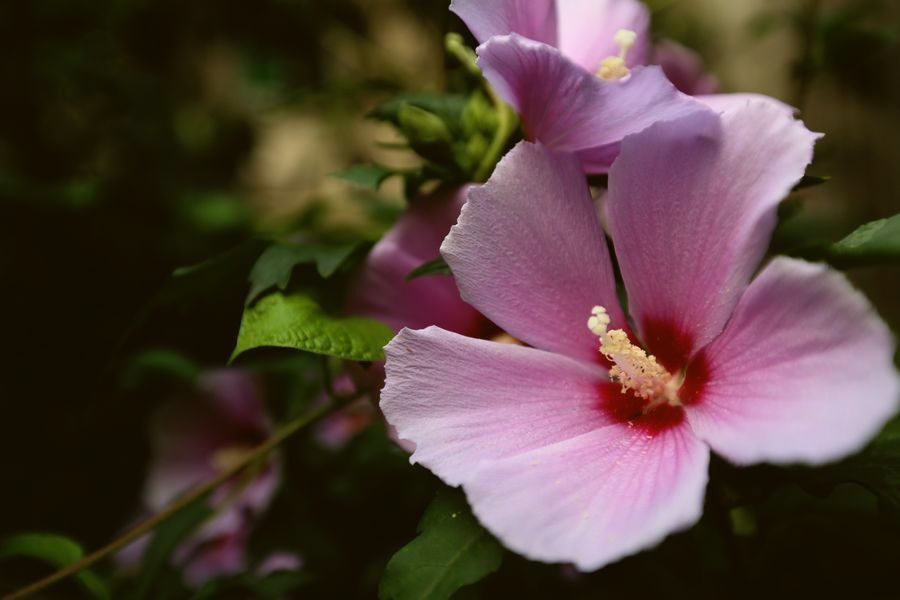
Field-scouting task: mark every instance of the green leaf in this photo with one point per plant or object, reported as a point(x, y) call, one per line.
point(274, 266)
point(435, 266)
point(877, 468)
point(56, 550)
point(165, 539)
point(192, 284)
point(452, 550)
point(161, 362)
point(297, 322)
point(367, 176)
point(874, 243)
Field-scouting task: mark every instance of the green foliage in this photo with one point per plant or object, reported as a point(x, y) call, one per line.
point(56, 550)
point(877, 468)
point(435, 266)
point(447, 107)
point(221, 272)
point(298, 322)
point(452, 550)
point(274, 266)
point(160, 362)
point(423, 128)
point(460, 137)
point(271, 587)
point(367, 176)
point(874, 243)
point(164, 541)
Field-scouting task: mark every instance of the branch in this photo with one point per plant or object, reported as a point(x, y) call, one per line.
point(195, 494)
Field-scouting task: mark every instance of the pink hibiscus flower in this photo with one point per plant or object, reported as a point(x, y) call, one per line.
point(193, 440)
point(567, 453)
point(575, 71)
point(381, 291)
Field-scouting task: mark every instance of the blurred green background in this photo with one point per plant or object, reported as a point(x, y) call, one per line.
point(138, 136)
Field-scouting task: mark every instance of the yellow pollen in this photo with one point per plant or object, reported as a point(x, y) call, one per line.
point(613, 67)
point(633, 368)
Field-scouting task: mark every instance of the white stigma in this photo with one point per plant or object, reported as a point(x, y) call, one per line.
point(633, 368)
point(613, 67)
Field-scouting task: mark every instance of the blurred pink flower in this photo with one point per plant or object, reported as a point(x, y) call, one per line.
point(193, 440)
point(338, 428)
point(570, 454)
point(684, 68)
point(381, 291)
point(279, 561)
point(576, 71)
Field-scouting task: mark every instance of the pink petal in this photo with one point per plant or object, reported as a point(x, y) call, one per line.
point(691, 207)
point(279, 561)
point(722, 103)
point(534, 19)
point(171, 476)
point(236, 395)
point(227, 412)
point(222, 556)
point(337, 429)
point(380, 289)
point(803, 371)
point(528, 252)
point(593, 499)
point(462, 401)
point(185, 439)
point(684, 68)
point(587, 28)
point(129, 558)
point(567, 108)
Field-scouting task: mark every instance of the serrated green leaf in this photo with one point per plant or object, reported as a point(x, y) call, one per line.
point(274, 266)
point(435, 266)
point(452, 550)
point(367, 176)
point(56, 550)
point(874, 243)
point(297, 322)
point(165, 539)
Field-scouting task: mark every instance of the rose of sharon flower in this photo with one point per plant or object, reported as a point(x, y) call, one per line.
point(381, 291)
point(578, 451)
point(684, 68)
point(573, 71)
point(193, 440)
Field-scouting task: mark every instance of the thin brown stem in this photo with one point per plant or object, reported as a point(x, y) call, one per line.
point(195, 494)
